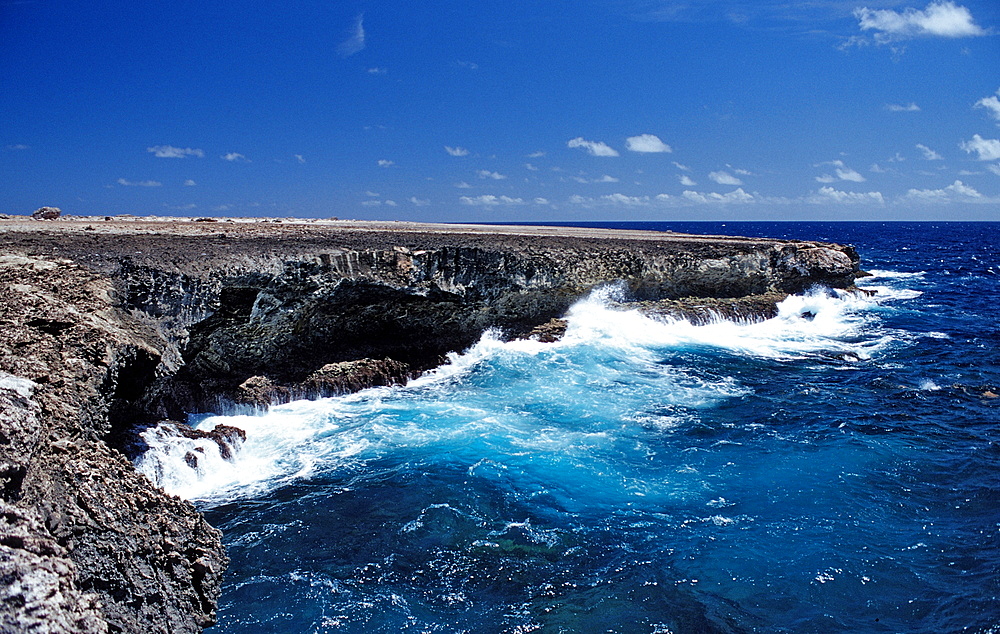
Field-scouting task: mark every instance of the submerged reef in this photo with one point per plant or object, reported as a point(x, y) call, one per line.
point(108, 327)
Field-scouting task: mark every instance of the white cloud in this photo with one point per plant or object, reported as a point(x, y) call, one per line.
point(372, 194)
point(493, 175)
point(735, 196)
point(939, 19)
point(538, 154)
point(419, 202)
point(529, 166)
point(987, 149)
point(992, 105)
point(829, 194)
point(299, 158)
point(169, 151)
point(929, 154)
point(541, 201)
point(189, 183)
point(622, 199)
point(686, 180)
point(18, 146)
point(355, 40)
point(391, 203)
point(606, 179)
point(127, 183)
point(377, 70)
point(842, 171)
point(371, 203)
point(957, 191)
point(683, 168)
point(648, 143)
point(825, 178)
point(594, 148)
point(848, 174)
point(742, 172)
point(463, 185)
point(724, 178)
point(456, 151)
point(385, 163)
point(234, 156)
point(469, 65)
point(994, 168)
point(489, 200)
point(895, 107)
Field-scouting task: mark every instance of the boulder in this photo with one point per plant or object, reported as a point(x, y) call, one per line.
point(46, 213)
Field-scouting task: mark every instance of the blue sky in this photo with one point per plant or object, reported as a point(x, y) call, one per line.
point(503, 111)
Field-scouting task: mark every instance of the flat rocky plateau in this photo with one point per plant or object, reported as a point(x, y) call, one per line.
point(111, 325)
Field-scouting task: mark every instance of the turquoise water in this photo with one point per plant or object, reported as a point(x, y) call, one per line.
point(831, 470)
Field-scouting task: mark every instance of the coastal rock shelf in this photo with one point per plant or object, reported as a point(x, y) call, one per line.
point(107, 326)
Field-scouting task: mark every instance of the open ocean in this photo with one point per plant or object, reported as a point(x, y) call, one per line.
point(839, 473)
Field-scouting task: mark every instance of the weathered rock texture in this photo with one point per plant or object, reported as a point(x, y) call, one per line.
point(106, 325)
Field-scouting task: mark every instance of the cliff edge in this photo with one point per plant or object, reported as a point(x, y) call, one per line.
point(107, 326)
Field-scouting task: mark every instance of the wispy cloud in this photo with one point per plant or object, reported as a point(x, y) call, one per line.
point(648, 143)
point(594, 148)
point(468, 65)
point(686, 180)
point(385, 163)
point(189, 183)
point(419, 202)
point(842, 171)
point(724, 178)
point(987, 149)
point(18, 146)
point(538, 154)
point(463, 185)
point(377, 70)
point(493, 175)
point(735, 196)
point(489, 200)
point(169, 151)
point(456, 151)
point(530, 167)
point(299, 158)
point(895, 107)
point(938, 19)
point(128, 183)
point(683, 168)
point(233, 157)
point(355, 40)
point(830, 195)
point(957, 191)
point(991, 104)
point(929, 154)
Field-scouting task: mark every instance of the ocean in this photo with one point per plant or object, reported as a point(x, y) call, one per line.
point(834, 469)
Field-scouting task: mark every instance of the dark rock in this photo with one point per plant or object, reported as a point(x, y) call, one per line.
point(46, 213)
point(114, 330)
point(550, 331)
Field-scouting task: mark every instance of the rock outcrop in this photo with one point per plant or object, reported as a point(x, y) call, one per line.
point(108, 326)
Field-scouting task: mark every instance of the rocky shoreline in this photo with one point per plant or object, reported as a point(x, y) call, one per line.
point(110, 325)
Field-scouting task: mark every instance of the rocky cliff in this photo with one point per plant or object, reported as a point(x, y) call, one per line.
point(106, 326)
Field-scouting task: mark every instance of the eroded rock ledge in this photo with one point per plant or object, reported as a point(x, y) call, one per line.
point(106, 325)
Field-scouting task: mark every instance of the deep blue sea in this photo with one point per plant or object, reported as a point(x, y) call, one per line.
point(833, 474)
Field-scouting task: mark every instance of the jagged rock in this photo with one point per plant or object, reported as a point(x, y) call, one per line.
point(227, 437)
point(46, 213)
point(143, 321)
point(39, 592)
point(552, 330)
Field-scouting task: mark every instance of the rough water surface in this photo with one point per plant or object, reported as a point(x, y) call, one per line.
point(834, 469)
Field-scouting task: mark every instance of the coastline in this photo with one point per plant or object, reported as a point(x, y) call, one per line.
point(115, 322)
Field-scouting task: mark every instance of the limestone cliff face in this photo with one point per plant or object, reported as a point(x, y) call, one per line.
point(281, 320)
point(103, 330)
